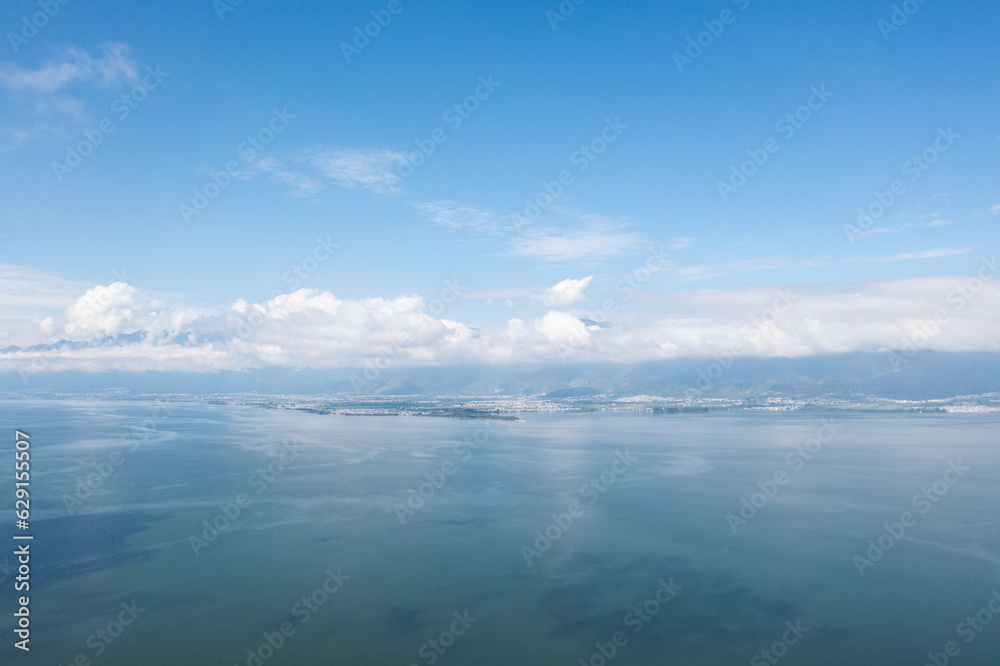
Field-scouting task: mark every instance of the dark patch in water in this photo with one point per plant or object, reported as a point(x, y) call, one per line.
point(75, 545)
point(400, 620)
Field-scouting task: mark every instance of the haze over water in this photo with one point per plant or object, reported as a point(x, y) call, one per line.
point(331, 506)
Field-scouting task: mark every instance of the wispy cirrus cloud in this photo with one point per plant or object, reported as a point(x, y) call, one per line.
point(909, 225)
point(456, 215)
point(681, 243)
point(46, 101)
point(27, 296)
point(596, 238)
point(299, 184)
point(752, 265)
point(373, 170)
point(572, 236)
point(925, 254)
point(73, 66)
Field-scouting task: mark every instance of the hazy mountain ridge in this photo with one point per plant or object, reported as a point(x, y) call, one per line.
point(928, 375)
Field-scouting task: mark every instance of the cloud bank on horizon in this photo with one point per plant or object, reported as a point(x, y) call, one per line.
point(124, 328)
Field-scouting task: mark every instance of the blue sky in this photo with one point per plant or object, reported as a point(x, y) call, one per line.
point(555, 85)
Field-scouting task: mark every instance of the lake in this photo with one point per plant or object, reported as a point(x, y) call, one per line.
point(183, 533)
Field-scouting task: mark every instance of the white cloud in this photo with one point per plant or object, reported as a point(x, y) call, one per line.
point(74, 66)
point(681, 243)
point(300, 185)
point(565, 294)
point(707, 271)
point(121, 309)
point(47, 106)
point(935, 223)
point(926, 254)
point(995, 209)
point(103, 311)
point(374, 170)
point(599, 238)
point(455, 215)
point(315, 329)
point(879, 230)
point(12, 136)
point(26, 297)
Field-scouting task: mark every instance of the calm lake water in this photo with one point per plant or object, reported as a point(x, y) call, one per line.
point(121, 493)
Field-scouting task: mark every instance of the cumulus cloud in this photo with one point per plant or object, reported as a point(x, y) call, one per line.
point(119, 309)
point(121, 327)
point(565, 294)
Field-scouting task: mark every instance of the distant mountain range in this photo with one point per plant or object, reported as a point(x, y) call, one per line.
point(927, 375)
point(107, 341)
